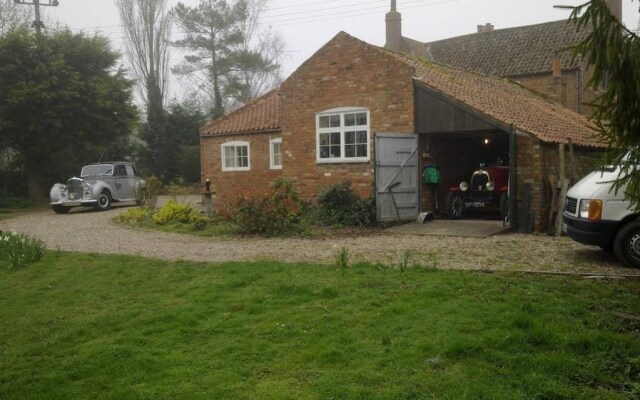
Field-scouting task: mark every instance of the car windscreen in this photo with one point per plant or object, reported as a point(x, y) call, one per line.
point(97, 170)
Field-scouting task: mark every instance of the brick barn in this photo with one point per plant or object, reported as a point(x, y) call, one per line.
point(373, 116)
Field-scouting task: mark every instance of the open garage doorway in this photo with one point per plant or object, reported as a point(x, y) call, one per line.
point(474, 174)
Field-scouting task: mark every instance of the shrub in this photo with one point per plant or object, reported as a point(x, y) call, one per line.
point(183, 213)
point(147, 193)
point(20, 249)
point(338, 205)
point(134, 215)
point(276, 211)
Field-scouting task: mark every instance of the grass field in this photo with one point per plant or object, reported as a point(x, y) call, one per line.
point(78, 326)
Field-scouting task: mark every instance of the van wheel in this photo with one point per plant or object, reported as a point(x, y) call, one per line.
point(626, 245)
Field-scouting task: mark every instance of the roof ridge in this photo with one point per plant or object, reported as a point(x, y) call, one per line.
point(566, 21)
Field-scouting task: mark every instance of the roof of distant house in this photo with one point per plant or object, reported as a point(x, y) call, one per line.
point(259, 115)
point(519, 51)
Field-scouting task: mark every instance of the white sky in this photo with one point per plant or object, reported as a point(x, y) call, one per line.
point(306, 25)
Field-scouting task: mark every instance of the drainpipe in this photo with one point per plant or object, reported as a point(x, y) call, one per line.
point(513, 176)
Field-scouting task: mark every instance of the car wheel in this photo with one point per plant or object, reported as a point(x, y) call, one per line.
point(60, 209)
point(104, 201)
point(626, 245)
point(454, 205)
point(504, 206)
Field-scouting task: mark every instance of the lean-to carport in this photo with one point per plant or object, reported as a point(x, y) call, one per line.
point(458, 138)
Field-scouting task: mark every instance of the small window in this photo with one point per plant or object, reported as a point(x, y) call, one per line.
point(275, 153)
point(235, 156)
point(121, 170)
point(130, 171)
point(343, 135)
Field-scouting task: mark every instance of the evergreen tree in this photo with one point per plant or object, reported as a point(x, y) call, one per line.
point(612, 52)
point(63, 103)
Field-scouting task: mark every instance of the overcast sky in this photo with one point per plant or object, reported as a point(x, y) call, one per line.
point(306, 25)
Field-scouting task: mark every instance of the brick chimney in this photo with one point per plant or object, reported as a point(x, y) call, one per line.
point(556, 68)
point(488, 27)
point(557, 86)
point(394, 29)
point(615, 6)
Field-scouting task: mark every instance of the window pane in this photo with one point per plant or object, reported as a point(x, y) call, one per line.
point(334, 121)
point(324, 139)
point(350, 151)
point(362, 150)
point(324, 122)
point(349, 138)
point(229, 157)
point(324, 152)
point(361, 119)
point(335, 151)
point(335, 138)
point(362, 137)
point(349, 119)
point(277, 154)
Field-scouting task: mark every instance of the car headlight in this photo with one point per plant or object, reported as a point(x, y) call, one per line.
point(63, 188)
point(491, 186)
point(591, 209)
point(464, 186)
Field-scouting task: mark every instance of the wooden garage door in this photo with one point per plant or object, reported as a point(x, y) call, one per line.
point(397, 184)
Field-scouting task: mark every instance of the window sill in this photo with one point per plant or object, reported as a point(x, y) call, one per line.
point(343, 161)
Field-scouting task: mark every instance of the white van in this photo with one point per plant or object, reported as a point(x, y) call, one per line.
point(596, 215)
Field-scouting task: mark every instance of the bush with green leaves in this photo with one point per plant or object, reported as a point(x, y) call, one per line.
point(19, 249)
point(183, 213)
point(148, 192)
point(275, 211)
point(134, 216)
point(339, 205)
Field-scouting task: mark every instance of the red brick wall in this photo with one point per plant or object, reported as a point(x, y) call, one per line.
point(344, 73)
point(563, 89)
point(226, 184)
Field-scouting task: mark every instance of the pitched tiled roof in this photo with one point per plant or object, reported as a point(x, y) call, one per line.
point(259, 115)
point(506, 101)
point(498, 98)
point(524, 50)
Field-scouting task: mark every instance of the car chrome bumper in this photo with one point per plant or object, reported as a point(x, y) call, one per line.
point(86, 203)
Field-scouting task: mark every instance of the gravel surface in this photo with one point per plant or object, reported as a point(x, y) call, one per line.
point(94, 232)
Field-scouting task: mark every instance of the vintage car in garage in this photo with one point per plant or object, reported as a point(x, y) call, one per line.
point(99, 186)
point(487, 191)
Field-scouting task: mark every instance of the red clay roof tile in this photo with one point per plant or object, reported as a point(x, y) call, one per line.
point(259, 115)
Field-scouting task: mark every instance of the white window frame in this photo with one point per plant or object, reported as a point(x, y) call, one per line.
point(342, 129)
point(272, 164)
point(224, 158)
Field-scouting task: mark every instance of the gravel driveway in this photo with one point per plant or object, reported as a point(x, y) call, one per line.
point(90, 231)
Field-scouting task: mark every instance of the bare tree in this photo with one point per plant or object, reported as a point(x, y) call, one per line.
point(147, 26)
point(13, 16)
point(263, 76)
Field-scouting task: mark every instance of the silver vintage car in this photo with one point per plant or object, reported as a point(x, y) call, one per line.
point(99, 185)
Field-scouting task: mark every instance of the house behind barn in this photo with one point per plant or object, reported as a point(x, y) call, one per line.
point(374, 116)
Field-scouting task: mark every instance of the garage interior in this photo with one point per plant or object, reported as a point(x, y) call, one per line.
point(458, 140)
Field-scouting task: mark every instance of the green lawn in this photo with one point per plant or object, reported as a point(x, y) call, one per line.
point(77, 326)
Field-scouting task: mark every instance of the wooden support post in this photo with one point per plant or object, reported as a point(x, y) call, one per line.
point(561, 203)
